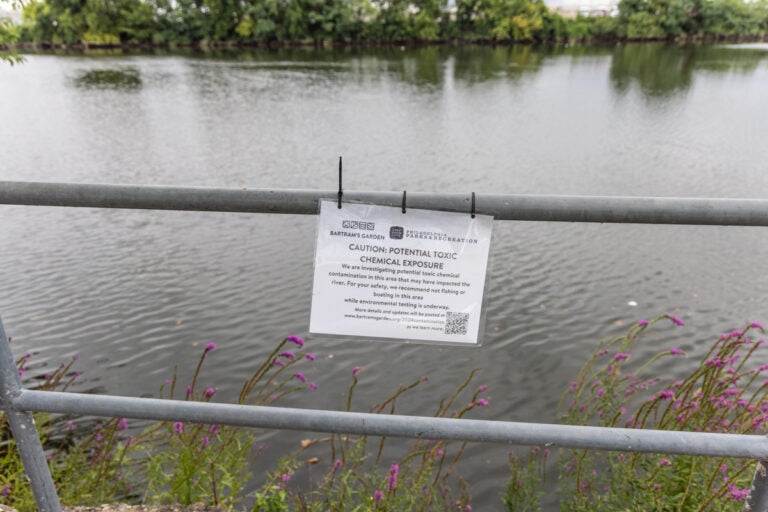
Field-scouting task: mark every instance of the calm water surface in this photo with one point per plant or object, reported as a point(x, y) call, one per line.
point(135, 292)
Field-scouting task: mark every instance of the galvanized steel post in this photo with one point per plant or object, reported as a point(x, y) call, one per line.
point(24, 432)
point(757, 501)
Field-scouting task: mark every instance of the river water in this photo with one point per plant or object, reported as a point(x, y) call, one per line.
point(135, 292)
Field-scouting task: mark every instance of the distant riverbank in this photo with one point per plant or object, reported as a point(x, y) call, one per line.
point(250, 45)
point(370, 23)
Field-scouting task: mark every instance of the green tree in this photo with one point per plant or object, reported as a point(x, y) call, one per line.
point(515, 20)
point(261, 22)
point(8, 36)
point(727, 18)
point(393, 19)
point(38, 23)
point(467, 11)
point(425, 24)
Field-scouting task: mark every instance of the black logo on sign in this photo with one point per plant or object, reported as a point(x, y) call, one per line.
point(396, 232)
point(358, 224)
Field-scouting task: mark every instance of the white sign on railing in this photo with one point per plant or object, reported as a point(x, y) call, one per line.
point(381, 273)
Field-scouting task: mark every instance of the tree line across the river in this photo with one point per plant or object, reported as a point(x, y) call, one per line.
point(362, 22)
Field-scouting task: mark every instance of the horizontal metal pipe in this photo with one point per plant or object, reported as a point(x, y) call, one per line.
point(570, 436)
point(642, 210)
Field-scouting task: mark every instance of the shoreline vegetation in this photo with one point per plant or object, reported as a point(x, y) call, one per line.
point(205, 45)
point(221, 24)
point(629, 381)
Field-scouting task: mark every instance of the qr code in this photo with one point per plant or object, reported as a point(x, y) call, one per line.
point(456, 323)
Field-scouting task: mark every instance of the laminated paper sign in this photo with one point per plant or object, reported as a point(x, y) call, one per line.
point(418, 275)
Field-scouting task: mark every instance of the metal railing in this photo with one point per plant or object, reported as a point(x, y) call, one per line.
point(18, 403)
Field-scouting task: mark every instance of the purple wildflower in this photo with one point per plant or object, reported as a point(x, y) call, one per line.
point(676, 352)
point(6, 490)
point(737, 494)
point(213, 429)
point(355, 371)
point(482, 402)
point(301, 377)
point(621, 356)
point(122, 424)
point(666, 394)
point(642, 323)
point(377, 496)
point(675, 319)
point(279, 362)
point(209, 392)
point(210, 347)
point(574, 386)
point(482, 388)
point(287, 354)
point(70, 425)
point(206, 441)
point(189, 391)
point(312, 386)
point(309, 356)
point(440, 453)
point(664, 462)
point(76, 357)
point(392, 482)
point(286, 477)
point(296, 340)
point(757, 325)
point(337, 464)
point(178, 427)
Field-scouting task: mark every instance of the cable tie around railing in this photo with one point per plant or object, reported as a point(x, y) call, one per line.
point(341, 193)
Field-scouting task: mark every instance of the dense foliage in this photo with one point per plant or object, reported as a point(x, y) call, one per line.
point(322, 22)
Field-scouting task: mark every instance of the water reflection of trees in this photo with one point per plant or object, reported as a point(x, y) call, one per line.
point(657, 69)
point(661, 69)
point(478, 64)
point(427, 66)
point(126, 78)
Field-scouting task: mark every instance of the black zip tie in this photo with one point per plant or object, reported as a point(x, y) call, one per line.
point(340, 192)
point(472, 212)
point(403, 201)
